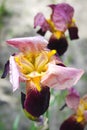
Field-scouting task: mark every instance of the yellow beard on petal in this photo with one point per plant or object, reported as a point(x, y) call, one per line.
point(80, 111)
point(32, 66)
point(58, 34)
point(30, 116)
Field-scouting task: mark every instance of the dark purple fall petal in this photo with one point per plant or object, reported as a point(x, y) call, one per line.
point(31, 117)
point(73, 33)
point(41, 32)
point(71, 124)
point(23, 96)
point(60, 45)
point(6, 69)
point(36, 103)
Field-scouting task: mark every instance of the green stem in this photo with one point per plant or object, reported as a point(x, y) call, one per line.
point(47, 116)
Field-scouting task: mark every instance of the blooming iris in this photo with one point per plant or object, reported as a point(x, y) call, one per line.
point(78, 120)
point(59, 22)
point(41, 70)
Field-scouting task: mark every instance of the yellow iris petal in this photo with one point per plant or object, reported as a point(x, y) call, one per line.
point(79, 118)
point(24, 65)
point(85, 105)
point(52, 26)
point(30, 116)
point(51, 53)
point(80, 111)
point(33, 65)
point(58, 34)
point(40, 61)
point(36, 81)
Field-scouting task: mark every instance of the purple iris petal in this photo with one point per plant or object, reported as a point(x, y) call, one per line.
point(41, 32)
point(73, 99)
point(39, 20)
point(73, 33)
point(38, 119)
point(6, 69)
point(62, 15)
point(71, 124)
point(60, 45)
point(23, 96)
point(36, 103)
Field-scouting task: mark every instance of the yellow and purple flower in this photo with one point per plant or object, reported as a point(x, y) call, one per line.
point(78, 120)
point(59, 22)
point(40, 69)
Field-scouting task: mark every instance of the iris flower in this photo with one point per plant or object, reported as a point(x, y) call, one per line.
point(61, 20)
point(78, 120)
point(41, 70)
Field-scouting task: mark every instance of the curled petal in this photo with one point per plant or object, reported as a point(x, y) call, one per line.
point(61, 77)
point(40, 20)
point(73, 99)
point(31, 44)
point(14, 74)
point(62, 15)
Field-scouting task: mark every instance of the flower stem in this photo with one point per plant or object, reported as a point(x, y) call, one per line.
point(47, 116)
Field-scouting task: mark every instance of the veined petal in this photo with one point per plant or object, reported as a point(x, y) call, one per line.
point(73, 99)
point(40, 20)
point(14, 74)
point(31, 44)
point(61, 77)
point(61, 15)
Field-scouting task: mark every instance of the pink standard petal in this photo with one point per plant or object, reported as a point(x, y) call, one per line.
point(39, 20)
point(61, 77)
point(73, 90)
point(62, 15)
point(14, 74)
point(29, 43)
point(73, 99)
